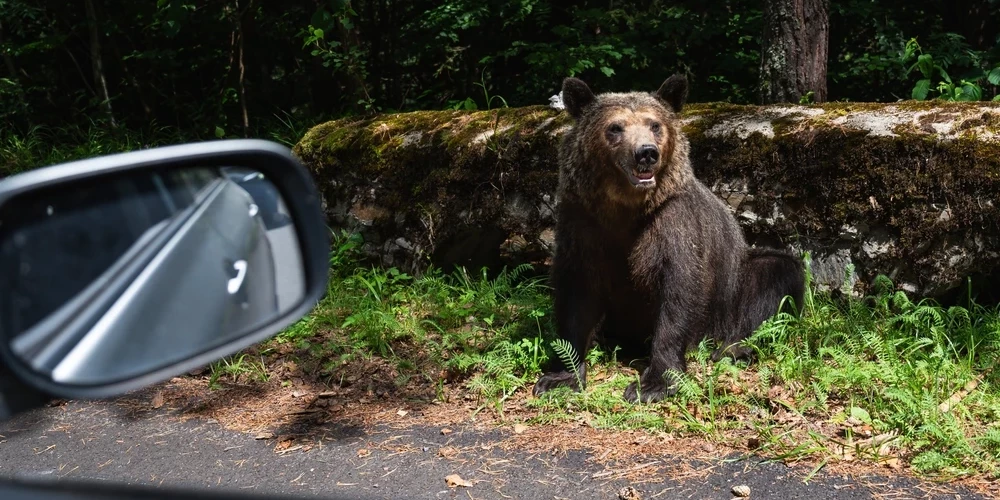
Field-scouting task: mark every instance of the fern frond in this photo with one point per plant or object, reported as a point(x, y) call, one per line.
point(569, 357)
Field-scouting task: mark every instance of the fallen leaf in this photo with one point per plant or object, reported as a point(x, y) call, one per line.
point(447, 451)
point(283, 444)
point(445, 431)
point(158, 399)
point(455, 480)
point(741, 490)
point(520, 428)
point(402, 413)
point(296, 394)
point(264, 435)
point(629, 493)
point(364, 452)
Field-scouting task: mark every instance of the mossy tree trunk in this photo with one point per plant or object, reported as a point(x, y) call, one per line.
point(794, 50)
point(909, 190)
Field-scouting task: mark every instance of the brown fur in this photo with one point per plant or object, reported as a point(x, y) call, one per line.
point(660, 257)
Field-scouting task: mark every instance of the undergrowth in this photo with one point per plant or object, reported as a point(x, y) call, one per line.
point(40, 146)
point(880, 378)
point(489, 331)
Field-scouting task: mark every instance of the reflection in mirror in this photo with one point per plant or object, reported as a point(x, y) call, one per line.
point(113, 277)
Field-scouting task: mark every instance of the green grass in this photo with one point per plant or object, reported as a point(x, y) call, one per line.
point(856, 378)
point(489, 330)
point(237, 368)
point(43, 146)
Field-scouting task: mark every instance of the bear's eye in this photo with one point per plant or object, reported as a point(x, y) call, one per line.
point(615, 129)
point(655, 127)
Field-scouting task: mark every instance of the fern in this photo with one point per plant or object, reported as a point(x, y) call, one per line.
point(569, 357)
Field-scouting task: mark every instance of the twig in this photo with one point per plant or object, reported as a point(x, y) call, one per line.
point(960, 394)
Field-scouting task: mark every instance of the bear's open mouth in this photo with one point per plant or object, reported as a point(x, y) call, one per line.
point(640, 179)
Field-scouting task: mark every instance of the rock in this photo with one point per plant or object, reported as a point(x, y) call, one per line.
point(903, 189)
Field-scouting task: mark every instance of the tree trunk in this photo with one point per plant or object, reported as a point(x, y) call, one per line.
point(8, 62)
point(794, 50)
point(242, 66)
point(96, 62)
point(243, 90)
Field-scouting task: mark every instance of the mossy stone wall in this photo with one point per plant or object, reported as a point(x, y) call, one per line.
point(906, 189)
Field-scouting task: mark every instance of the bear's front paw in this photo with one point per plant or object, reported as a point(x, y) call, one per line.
point(551, 381)
point(649, 392)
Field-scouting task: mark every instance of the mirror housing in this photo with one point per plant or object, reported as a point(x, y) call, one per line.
point(128, 269)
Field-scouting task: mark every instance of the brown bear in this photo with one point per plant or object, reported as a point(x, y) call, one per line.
point(644, 249)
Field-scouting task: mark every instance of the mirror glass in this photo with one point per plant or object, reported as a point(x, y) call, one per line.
point(112, 277)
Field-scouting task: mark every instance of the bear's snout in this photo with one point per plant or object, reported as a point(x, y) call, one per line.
point(646, 156)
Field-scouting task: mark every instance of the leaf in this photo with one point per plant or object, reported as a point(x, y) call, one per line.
point(607, 71)
point(921, 89)
point(318, 33)
point(944, 74)
point(219, 132)
point(996, 98)
point(455, 480)
point(926, 64)
point(861, 414)
point(158, 399)
point(971, 92)
point(994, 76)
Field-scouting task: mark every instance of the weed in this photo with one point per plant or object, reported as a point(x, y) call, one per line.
point(238, 368)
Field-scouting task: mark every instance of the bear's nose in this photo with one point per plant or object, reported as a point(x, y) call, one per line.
point(647, 155)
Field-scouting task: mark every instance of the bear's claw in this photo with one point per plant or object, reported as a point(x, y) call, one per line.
point(551, 381)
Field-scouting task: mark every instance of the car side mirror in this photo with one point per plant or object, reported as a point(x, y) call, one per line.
point(125, 270)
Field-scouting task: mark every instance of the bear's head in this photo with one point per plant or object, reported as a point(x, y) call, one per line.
point(635, 133)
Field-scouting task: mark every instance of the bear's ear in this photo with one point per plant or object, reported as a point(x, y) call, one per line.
point(576, 95)
point(674, 92)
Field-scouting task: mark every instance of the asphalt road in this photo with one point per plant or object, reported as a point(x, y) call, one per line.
point(105, 441)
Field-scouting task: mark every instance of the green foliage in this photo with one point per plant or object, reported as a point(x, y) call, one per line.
point(199, 68)
point(890, 362)
point(42, 146)
point(876, 370)
point(935, 74)
point(490, 330)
